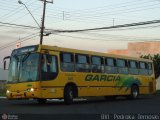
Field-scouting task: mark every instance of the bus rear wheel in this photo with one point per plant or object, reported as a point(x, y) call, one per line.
point(68, 95)
point(41, 101)
point(134, 92)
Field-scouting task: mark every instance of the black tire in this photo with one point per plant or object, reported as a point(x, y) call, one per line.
point(41, 101)
point(134, 92)
point(68, 95)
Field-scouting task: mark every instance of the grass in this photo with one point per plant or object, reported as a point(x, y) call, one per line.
point(2, 94)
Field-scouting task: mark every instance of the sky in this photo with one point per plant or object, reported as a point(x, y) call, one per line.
point(78, 14)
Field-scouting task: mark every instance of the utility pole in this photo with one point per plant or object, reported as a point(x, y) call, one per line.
point(43, 19)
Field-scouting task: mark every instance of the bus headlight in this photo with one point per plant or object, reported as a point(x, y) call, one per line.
point(30, 90)
point(7, 91)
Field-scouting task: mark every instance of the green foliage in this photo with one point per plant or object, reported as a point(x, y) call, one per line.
point(156, 62)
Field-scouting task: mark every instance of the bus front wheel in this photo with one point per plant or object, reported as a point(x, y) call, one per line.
point(41, 101)
point(68, 95)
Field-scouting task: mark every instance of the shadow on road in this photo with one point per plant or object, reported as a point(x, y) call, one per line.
point(92, 100)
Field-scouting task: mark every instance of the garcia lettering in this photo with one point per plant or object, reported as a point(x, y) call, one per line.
point(91, 77)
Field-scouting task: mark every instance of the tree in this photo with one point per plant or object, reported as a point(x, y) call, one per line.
point(156, 61)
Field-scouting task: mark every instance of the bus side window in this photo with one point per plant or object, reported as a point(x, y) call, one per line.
point(110, 66)
point(150, 71)
point(143, 68)
point(49, 69)
point(133, 67)
point(67, 62)
point(97, 64)
point(82, 63)
point(122, 66)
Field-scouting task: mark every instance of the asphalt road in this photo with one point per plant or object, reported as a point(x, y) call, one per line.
point(83, 108)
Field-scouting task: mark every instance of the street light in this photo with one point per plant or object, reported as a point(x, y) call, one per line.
point(20, 2)
point(43, 18)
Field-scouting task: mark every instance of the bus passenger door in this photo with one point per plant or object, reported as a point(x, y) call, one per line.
point(48, 73)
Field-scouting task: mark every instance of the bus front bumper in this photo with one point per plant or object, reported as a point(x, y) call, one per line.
point(22, 94)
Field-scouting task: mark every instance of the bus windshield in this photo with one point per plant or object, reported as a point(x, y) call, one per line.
point(23, 68)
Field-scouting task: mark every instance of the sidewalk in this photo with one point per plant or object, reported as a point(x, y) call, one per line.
point(2, 97)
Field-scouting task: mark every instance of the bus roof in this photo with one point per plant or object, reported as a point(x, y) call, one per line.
point(62, 49)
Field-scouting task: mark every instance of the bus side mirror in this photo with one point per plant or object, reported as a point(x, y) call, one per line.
point(4, 65)
point(5, 62)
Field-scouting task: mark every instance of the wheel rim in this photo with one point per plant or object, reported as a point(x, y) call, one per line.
point(135, 93)
point(71, 94)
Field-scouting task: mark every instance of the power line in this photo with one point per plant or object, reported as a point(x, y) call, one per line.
point(111, 6)
point(122, 5)
point(158, 0)
point(111, 13)
point(15, 11)
point(101, 28)
point(95, 18)
point(24, 26)
point(22, 40)
point(24, 15)
point(131, 28)
point(112, 27)
point(87, 12)
point(110, 36)
point(70, 31)
point(97, 39)
point(28, 39)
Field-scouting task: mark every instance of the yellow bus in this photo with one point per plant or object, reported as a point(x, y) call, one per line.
point(46, 72)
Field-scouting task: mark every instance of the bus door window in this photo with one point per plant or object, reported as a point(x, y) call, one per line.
point(49, 67)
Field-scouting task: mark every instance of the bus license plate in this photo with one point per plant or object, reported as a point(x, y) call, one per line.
point(19, 96)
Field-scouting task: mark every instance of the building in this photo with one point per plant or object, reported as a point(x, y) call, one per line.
point(137, 49)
